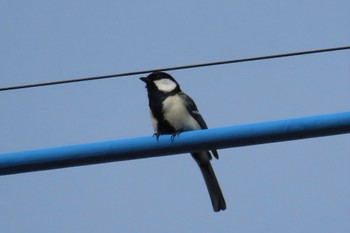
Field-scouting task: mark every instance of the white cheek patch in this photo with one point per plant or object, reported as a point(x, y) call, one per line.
point(165, 85)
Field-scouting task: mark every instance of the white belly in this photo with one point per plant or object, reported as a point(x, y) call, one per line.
point(175, 112)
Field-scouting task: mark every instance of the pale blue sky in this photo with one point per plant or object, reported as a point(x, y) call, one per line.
point(300, 186)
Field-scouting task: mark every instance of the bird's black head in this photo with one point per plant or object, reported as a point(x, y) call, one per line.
point(161, 82)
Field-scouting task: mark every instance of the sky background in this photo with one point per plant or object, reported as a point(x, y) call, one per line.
point(299, 186)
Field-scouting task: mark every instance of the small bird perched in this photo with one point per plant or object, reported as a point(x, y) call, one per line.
point(172, 112)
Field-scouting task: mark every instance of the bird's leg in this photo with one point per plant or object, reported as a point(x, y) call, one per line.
point(157, 135)
point(177, 133)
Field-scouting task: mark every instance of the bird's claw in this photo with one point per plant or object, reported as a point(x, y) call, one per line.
point(157, 135)
point(176, 134)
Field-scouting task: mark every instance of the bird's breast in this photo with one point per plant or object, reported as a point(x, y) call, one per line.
point(177, 115)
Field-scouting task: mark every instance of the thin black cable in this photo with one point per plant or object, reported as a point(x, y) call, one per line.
point(175, 68)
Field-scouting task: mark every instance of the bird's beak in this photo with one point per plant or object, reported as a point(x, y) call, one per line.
point(144, 79)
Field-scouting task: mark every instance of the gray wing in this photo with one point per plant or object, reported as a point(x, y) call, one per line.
point(193, 110)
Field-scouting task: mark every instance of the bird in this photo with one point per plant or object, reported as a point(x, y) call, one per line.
point(173, 112)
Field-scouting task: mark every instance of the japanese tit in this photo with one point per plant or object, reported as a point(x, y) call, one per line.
point(172, 112)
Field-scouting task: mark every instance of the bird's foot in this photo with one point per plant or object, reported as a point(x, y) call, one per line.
point(176, 134)
point(157, 135)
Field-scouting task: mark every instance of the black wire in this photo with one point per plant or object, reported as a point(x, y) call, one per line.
point(175, 68)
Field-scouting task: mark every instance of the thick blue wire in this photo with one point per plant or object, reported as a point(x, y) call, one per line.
point(146, 147)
